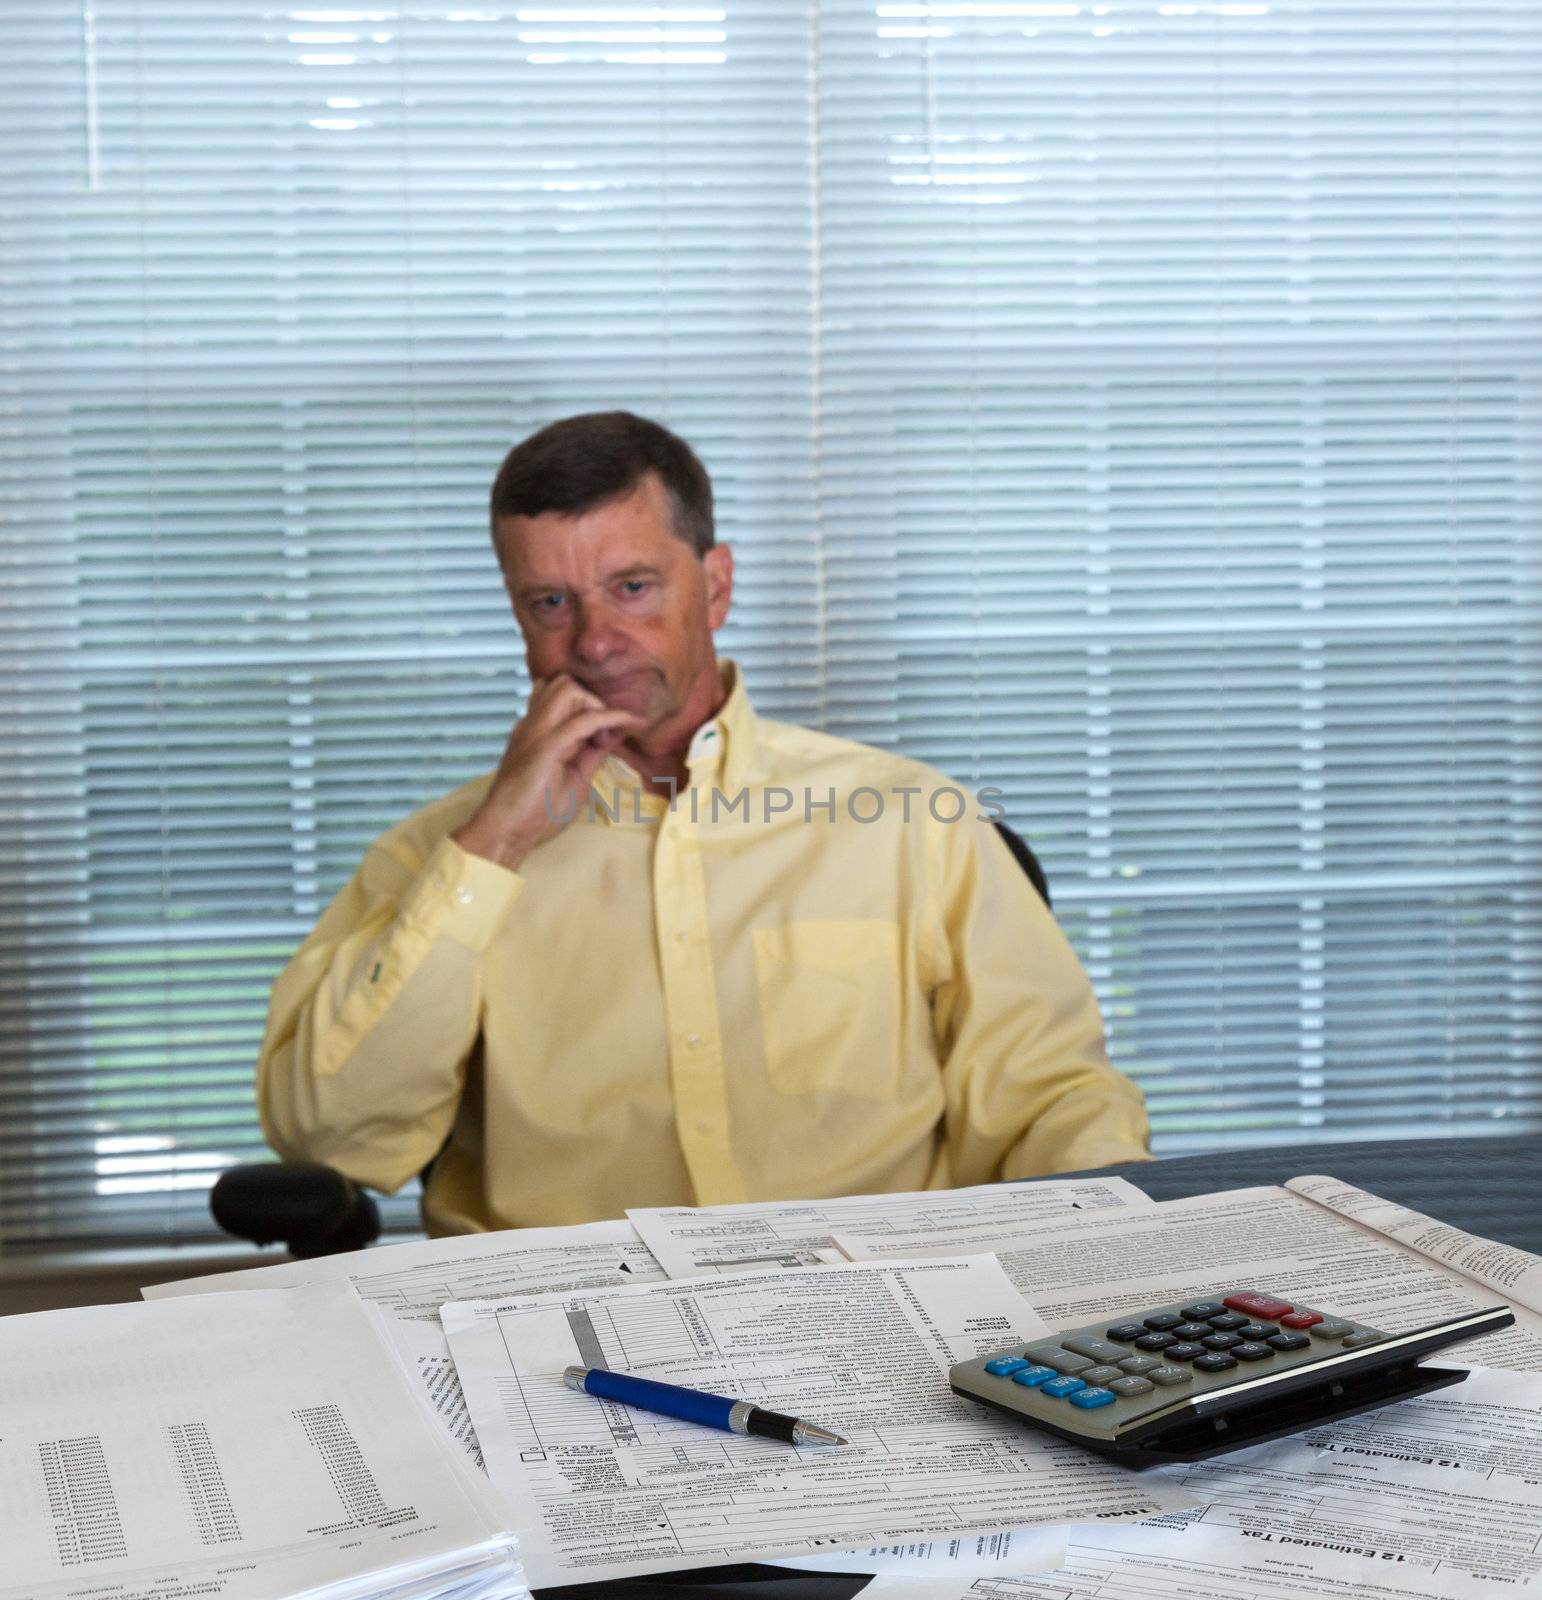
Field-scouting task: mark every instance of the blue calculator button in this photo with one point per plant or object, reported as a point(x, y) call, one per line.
point(1032, 1377)
point(1088, 1398)
point(1005, 1366)
point(1060, 1387)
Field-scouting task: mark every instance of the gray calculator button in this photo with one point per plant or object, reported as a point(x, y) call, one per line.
point(1051, 1355)
point(1099, 1375)
point(1124, 1386)
point(1333, 1328)
point(1098, 1349)
point(1170, 1375)
point(1136, 1365)
point(1353, 1341)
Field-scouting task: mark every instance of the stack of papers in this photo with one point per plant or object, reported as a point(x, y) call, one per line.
point(239, 1447)
point(847, 1312)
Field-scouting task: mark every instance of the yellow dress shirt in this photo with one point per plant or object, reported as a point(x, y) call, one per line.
point(803, 978)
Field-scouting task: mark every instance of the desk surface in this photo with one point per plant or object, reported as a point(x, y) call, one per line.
point(1487, 1186)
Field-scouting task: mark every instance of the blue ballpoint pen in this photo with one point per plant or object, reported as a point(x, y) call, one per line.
point(692, 1405)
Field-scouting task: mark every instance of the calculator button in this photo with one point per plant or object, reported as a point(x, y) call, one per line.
point(1227, 1322)
point(1353, 1341)
point(1258, 1305)
point(1289, 1341)
point(1098, 1349)
point(1126, 1332)
point(1256, 1330)
point(1137, 1366)
point(1332, 1328)
point(1202, 1309)
point(1186, 1351)
point(1300, 1319)
point(1051, 1355)
point(1251, 1350)
point(1161, 1321)
point(1088, 1399)
point(1131, 1386)
point(1220, 1341)
point(1169, 1375)
point(1099, 1375)
point(1154, 1341)
point(1191, 1330)
point(1214, 1362)
point(1060, 1387)
point(1005, 1366)
point(1032, 1377)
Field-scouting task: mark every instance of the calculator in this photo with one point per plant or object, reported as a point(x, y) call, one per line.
point(1183, 1382)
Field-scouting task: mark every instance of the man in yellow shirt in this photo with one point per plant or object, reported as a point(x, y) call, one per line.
point(672, 952)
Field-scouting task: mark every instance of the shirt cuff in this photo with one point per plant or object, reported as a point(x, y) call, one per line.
point(461, 896)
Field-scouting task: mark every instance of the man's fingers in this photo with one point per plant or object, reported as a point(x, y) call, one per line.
point(582, 726)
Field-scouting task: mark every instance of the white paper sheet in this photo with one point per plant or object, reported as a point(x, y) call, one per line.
point(768, 1236)
point(1095, 1266)
point(1514, 1275)
point(407, 1283)
point(603, 1491)
point(1027, 1550)
point(1437, 1496)
point(233, 1446)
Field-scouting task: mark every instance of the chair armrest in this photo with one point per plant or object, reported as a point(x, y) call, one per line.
point(313, 1210)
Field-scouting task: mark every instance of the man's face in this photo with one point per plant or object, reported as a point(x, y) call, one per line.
point(616, 600)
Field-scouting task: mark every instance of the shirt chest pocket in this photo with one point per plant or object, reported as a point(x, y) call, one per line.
point(831, 1006)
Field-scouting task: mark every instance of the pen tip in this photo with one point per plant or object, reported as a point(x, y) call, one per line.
point(810, 1433)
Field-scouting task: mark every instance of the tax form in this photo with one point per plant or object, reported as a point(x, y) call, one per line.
point(765, 1236)
point(238, 1447)
point(1078, 1270)
point(405, 1284)
point(603, 1491)
point(1514, 1275)
point(1439, 1496)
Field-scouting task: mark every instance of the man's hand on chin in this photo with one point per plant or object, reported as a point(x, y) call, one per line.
point(552, 753)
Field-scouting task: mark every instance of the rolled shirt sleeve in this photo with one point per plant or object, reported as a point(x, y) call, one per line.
point(372, 1022)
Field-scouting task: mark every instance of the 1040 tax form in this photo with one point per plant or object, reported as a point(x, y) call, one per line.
point(601, 1491)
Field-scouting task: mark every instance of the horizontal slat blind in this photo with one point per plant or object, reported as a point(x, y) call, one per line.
point(1205, 515)
point(279, 287)
point(1133, 406)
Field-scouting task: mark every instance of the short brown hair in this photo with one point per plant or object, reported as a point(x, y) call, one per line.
point(579, 463)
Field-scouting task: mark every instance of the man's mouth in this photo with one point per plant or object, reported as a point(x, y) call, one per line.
point(621, 683)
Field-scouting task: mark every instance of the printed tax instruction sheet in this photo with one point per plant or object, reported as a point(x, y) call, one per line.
point(1440, 1496)
point(1113, 1264)
point(233, 1446)
point(1514, 1275)
point(766, 1236)
point(1026, 1550)
point(405, 1285)
point(603, 1491)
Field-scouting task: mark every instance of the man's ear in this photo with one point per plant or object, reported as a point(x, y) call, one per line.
point(718, 563)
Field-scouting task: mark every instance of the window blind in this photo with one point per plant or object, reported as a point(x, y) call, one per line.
point(1131, 406)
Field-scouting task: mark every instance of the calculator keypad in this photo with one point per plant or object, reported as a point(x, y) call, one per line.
point(1207, 1343)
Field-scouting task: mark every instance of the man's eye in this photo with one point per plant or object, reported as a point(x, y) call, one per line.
point(635, 586)
point(548, 602)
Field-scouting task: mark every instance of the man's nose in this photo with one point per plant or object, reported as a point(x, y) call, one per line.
point(597, 638)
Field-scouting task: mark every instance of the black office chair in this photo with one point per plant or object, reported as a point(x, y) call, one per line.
point(315, 1211)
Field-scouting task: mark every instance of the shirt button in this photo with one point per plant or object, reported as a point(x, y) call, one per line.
point(693, 1039)
point(464, 895)
point(682, 935)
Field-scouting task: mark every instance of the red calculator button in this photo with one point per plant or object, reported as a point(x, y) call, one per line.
point(1258, 1305)
point(1301, 1319)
